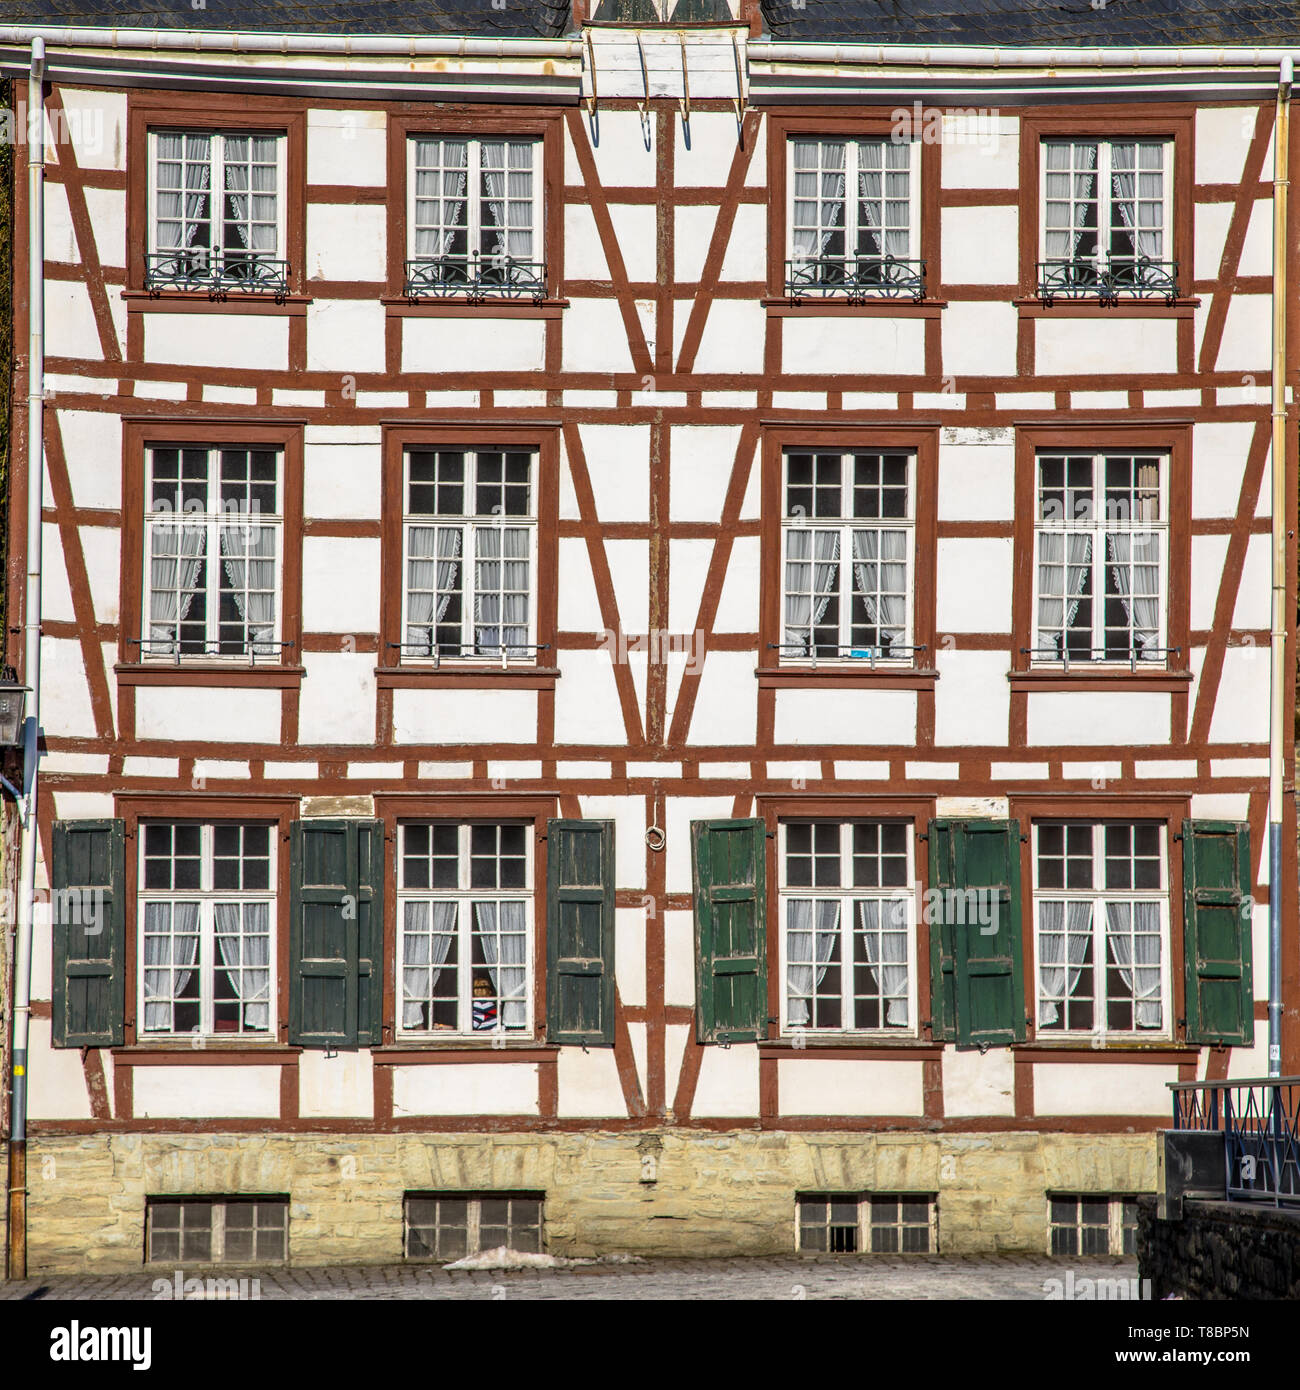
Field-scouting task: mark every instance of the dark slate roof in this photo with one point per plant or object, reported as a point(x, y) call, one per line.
point(513, 19)
point(1109, 23)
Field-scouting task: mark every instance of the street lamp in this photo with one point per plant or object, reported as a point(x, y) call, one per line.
point(13, 703)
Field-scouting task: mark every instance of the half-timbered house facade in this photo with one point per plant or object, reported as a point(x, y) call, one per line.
point(655, 627)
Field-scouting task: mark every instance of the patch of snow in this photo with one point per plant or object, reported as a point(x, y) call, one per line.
point(503, 1258)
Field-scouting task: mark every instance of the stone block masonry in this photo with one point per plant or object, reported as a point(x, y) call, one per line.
point(1221, 1250)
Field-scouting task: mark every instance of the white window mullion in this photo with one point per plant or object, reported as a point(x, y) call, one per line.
point(217, 198)
point(473, 202)
point(1098, 523)
point(914, 201)
point(848, 1017)
point(851, 204)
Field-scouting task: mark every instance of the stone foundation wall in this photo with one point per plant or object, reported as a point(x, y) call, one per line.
point(1221, 1250)
point(714, 1194)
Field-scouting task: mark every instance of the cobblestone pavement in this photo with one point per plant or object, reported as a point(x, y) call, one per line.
point(874, 1277)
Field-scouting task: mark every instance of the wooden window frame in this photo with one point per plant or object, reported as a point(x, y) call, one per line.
point(1114, 1220)
point(541, 674)
point(923, 441)
point(255, 113)
point(1173, 440)
point(138, 434)
point(1173, 123)
point(864, 1202)
point(217, 1207)
point(521, 122)
point(473, 1225)
point(280, 812)
point(786, 124)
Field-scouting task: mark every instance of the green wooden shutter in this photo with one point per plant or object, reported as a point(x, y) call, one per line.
point(335, 934)
point(729, 865)
point(88, 877)
point(984, 1006)
point(580, 932)
point(1216, 932)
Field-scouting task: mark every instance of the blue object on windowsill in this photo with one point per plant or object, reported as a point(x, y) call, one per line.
point(862, 653)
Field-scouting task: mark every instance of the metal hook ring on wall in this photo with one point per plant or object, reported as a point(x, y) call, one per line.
point(656, 839)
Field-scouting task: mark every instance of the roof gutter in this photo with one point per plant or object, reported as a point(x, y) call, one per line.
point(952, 56)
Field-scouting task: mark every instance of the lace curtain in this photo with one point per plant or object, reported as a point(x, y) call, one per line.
point(1064, 931)
point(880, 580)
point(432, 577)
point(248, 560)
point(183, 211)
point(884, 206)
point(244, 945)
point(886, 944)
point(818, 551)
point(1127, 924)
point(507, 210)
point(500, 928)
point(424, 954)
point(1071, 182)
point(801, 941)
point(1138, 196)
point(250, 193)
point(441, 176)
point(171, 946)
point(501, 590)
point(1056, 610)
point(1135, 571)
point(818, 184)
point(176, 554)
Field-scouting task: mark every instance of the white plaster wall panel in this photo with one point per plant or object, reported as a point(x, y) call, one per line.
point(595, 338)
point(1219, 453)
point(975, 1084)
point(679, 958)
point(1241, 709)
point(341, 481)
point(679, 812)
point(210, 714)
point(979, 339)
point(620, 154)
point(1208, 554)
point(110, 655)
point(42, 942)
point(83, 805)
point(345, 336)
point(637, 237)
point(578, 605)
point(584, 256)
point(341, 1086)
point(505, 1088)
point(817, 1086)
point(733, 337)
point(638, 1036)
point(1220, 805)
point(750, 506)
point(587, 709)
point(347, 147)
point(1077, 1088)
point(973, 585)
point(629, 569)
point(474, 345)
point(987, 154)
point(976, 482)
point(692, 234)
point(1211, 222)
point(96, 124)
point(822, 346)
point(1098, 718)
point(1089, 347)
point(1247, 332)
point(688, 566)
point(629, 954)
point(65, 696)
point(101, 548)
point(726, 700)
point(340, 584)
point(56, 1081)
point(746, 255)
point(866, 717)
point(204, 1093)
point(707, 163)
point(60, 239)
point(728, 1083)
point(218, 340)
point(1257, 249)
point(629, 816)
point(756, 175)
point(56, 595)
point(1250, 1062)
point(70, 321)
point(1197, 665)
point(461, 716)
point(587, 1083)
point(1254, 595)
point(980, 246)
point(618, 464)
point(738, 601)
point(107, 210)
point(972, 698)
point(700, 462)
point(1223, 137)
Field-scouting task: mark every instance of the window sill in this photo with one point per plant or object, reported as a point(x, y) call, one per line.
point(856, 1047)
point(1069, 1049)
point(201, 302)
point(1080, 679)
point(466, 677)
point(210, 673)
point(463, 1050)
point(842, 677)
point(816, 306)
point(175, 1053)
point(1032, 307)
point(400, 307)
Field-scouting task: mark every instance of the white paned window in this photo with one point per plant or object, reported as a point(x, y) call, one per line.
point(1101, 557)
point(213, 544)
point(879, 1223)
point(215, 1230)
point(1101, 935)
point(470, 554)
point(853, 217)
point(206, 926)
point(847, 914)
point(465, 908)
point(1092, 1224)
point(475, 216)
point(458, 1224)
point(847, 544)
point(1107, 216)
point(217, 218)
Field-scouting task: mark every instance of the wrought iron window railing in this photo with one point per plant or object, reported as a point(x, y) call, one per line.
point(520, 653)
point(854, 277)
point(1260, 1123)
point(156, 648)
point(475, 278)
point(1137, 278)
point(1096, 656)
point(217, 272)
point(860, 652)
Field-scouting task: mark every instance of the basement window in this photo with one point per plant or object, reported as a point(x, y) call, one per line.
point(1092, 1224)
point(876, 1223)
point(447, 1226)
point(217, 1230)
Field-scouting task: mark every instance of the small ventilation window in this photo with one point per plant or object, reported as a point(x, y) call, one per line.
point(1092, 1224)
point(875, 1223)
point(217, 1230)
point(448, 1226)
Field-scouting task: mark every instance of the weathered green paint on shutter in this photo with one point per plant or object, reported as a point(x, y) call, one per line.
point(580, 932)
point(976, 864)
point(728, 862)
point(1216, 932)
point(88, 878)
point(335, 934)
